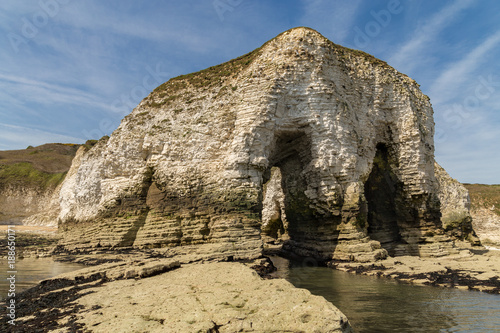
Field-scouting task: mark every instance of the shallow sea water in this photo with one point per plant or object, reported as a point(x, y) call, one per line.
point(372, 304)
point(30, 271)
point(375, 304)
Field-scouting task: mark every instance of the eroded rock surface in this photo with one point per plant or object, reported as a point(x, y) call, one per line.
point(486, 224)
point(274, 223)
point(351, 137)
point(20, 204)
point(216, 297)
point(464, 270)
point(455, 205)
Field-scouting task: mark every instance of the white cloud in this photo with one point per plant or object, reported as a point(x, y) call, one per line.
point(46, 93)
point(468, 148)
point(161, 27)
point(447, 85)
point(465, 97)
point(407, 55)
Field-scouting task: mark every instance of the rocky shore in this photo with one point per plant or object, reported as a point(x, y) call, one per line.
point(158, 295)
point(31, 241)
point(160, 289)
point(476, 269)
point(324, 151)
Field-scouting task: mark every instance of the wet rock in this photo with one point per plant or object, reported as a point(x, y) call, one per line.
point(218, 297)
point(464, 271)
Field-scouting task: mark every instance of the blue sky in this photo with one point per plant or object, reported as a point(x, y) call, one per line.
point(71, 70)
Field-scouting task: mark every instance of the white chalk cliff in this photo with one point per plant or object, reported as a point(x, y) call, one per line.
point(351, 136)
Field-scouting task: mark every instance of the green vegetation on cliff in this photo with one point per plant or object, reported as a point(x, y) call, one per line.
point(25, 174)
point(41, 167)
point(484, 196)
point(216, 75)
point(206, 78)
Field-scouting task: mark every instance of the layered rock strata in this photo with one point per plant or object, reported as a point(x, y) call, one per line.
point(486, 224)
point(21, 205)
point(455, 204)
point(352, 139)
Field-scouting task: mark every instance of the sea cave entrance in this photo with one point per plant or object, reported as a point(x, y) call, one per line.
point(284, 203)
point(383, 195)
point(289, 221)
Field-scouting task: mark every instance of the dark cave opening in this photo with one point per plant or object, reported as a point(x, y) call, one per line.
point(300, 228)
point(285, 206)
point(382, 190)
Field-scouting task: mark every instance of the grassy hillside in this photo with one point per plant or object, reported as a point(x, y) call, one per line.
point(486, 196)
point(43, 166)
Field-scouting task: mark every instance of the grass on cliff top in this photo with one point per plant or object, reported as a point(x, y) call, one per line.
point(215, 75)
point(42, 167)
point(486, 196)
point(206, 78)
point(25, 174)
point(50, 158)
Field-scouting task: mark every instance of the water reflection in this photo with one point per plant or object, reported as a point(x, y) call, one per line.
point(31, 271)
point(380, 305)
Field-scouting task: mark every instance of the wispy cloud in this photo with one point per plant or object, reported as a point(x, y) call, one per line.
point(466, 97)
point(472, 156)
point(446, 86)
point(409, 51)
point(47, 93)
point(160, 26)
point(68, 81)
point(20, 137)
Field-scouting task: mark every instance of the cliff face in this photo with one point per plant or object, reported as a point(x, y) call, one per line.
point(30, 181)
point(455, 206)
point(485, 211)
point(352, 139)
point(21, 205)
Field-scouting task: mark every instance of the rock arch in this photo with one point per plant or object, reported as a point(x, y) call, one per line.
point(206, 144)
point(383, 193)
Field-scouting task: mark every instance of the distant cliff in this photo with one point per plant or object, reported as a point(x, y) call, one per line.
point(29, 183)
point(485, 211)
